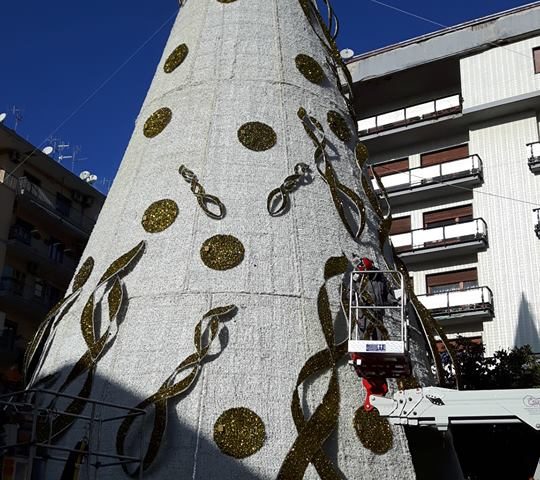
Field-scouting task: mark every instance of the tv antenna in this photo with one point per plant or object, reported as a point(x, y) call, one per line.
point(18, 115)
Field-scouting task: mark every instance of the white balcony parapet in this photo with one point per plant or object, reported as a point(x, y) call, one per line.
point(419, 176)
point(411, 114)
point(459, 300)
point(441, 236)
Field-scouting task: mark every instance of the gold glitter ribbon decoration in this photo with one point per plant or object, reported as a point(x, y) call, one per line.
point(314, 129)
point(45, 331)
point(172, 387)
point(203, 198)
point(313, 432)
point(111, 279)
point(278, 201)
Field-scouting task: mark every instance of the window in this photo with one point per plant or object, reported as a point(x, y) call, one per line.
point(388, 168)
point(400, 225)
point(536, 59)
point(444, 155)
point(56, 251)
point(63, 204)
point(39, 288)
point(448, 216)
point(7, 336)
point(449, 281)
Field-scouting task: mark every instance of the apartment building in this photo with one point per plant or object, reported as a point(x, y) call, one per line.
point(46, 216)
point(451, 121)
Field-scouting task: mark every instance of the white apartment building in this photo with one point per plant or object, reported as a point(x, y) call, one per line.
point(451, 121)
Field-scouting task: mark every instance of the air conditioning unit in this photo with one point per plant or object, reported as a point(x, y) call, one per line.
point(77, 196)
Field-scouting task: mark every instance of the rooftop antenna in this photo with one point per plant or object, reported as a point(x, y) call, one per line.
point(75, 157)
point(60, 147)
point(18, 114)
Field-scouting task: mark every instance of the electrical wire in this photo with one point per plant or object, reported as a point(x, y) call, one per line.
point(97, 90)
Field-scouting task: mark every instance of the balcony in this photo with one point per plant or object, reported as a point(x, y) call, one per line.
point(427, 244)
point(432, 110)
point(534, 157)
point(16, 297)
point(537, 224)
point(52, 264)
point(34, 196)
point(460, 306)
point(441, 179)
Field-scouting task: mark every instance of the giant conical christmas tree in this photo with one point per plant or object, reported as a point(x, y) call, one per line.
point(232, 222)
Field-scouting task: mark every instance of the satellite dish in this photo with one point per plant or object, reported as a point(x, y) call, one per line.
point(2, 117)
point(346, 53)
point(85, 175)
point(91, 179)
point(48, 150)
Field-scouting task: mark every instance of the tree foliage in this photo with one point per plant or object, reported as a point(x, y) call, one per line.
point(515, 368)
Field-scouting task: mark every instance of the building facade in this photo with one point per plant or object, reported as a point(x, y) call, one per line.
point(451, 120)
point(46, 216)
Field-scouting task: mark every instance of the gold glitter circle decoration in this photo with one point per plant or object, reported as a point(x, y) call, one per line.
point(159, 216)
point(257, 136)
point(226, 1)
point(222, 252)
point(310, 68)
point(373, 431)
point(362, 154)
point(339, 126)
point(157, 122)
point(176, 58)
point(239, 432)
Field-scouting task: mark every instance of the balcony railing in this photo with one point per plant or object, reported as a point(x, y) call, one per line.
point(537, 224)
point(534, 156)
point(440, 173)
point(446, 236)
point(437, 108)
point(476, 300)
point(47, 200)
point(11, 285)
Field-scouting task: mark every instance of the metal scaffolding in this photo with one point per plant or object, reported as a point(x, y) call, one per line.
point(38, 449)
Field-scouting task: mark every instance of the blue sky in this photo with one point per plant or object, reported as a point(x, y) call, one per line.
point(56, 56)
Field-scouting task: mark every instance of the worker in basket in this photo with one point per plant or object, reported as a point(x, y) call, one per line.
point(373, 288)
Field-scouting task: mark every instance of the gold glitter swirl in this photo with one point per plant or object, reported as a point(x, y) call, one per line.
point(313, 432)
point(309, 68)
point(122, 262)
point(175, 59)
point(171, 387)
point(278, 201)
point(203, 198)
point(83, 274)
point(339, 126)
point(159, 216)
point(239, 432)
point(362, 154)
point(257, 136)
point(157, 122)
point(373, 431)
point(222, 252)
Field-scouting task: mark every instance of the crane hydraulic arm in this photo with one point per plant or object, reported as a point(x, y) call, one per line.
point(442, 407)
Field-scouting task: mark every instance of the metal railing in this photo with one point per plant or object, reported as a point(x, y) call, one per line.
point(27, 407)
point(439, 173)
point(459, 301)
point(411, 114)
point(11, 285)
point(534, 154)
point(48, 200)
point(434, 237)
